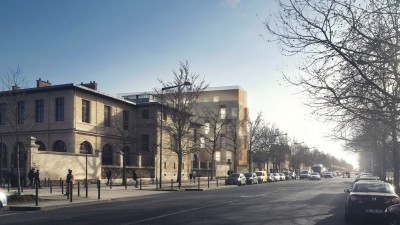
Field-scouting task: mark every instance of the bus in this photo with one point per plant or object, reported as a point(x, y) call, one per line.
point(319, 168)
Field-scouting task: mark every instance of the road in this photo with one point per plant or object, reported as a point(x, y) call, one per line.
point(299, 202)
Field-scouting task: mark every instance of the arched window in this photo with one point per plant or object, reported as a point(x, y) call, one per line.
point(127, 155)
point(86, 147)
point(107, 156)
point(41, 146)
point(3, 155)
point(59, 146)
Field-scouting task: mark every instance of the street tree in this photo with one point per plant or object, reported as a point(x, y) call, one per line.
point(235, 140)
point(180, 98)
point(350, 56)
point(255, 128)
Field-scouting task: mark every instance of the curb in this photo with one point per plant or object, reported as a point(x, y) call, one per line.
point(194, 189)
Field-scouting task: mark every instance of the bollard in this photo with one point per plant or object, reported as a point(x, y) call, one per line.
point(86, 187)
point(172, 184)
point(37, 193)
point(157, 184)
point(70, 191)
point(8, 185)
point(61, 183)
point(198, 183)
point(208, 182)
point(79, 189)
point(140, 183)
point(216, 178)
point(225, 180)
point(51, 187)
point(62, 187)
point(110, 183)
point(126, 184)
point(22, 185)
point(98, 189)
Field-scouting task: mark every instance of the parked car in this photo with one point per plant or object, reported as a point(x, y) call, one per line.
point(288, 176)
point(283, 177)
point(271, 177)
point(293, 175)
point(277, 176)
point(392, 215)
point(328, 175)
point(369, 198)
point(363, 177)
point(236, 179)
point(315, 176)
point(3, 198)
point(305, 174)
point(262, 176)
point(251, 178)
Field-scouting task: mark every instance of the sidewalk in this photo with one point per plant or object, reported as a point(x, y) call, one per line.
point(56, 199)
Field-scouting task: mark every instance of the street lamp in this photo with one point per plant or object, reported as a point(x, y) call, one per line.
point(83, 147)
point(161, 122)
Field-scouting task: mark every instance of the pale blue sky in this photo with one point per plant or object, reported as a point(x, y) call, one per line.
point(125, 45)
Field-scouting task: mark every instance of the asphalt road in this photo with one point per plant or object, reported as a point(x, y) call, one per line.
point(299, 202)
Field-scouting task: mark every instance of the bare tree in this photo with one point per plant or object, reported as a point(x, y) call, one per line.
point(14, 115)
point(235, 140)
point(180, 100)
point(350, 51)
point(255, 128)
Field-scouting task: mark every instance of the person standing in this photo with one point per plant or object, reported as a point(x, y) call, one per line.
point(134, 177)
point(31, 175)
point(69, 181)
point(191, 176)
point(108, 174)
point(37, 178)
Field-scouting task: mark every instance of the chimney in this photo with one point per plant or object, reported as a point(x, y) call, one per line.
point(41, 83)
point(91, 85)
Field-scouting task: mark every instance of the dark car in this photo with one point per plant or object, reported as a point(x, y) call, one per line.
point(288, 176)
point(236, 179)
point(364, 177)
point(251, 178)
point(392, 215)
point(369, 198)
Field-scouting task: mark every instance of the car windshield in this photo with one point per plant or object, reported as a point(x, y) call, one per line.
point(248, 174)
point(234, 175)
point(258, 173)
point(373, 187)
point(315, 174)
point(303, 172)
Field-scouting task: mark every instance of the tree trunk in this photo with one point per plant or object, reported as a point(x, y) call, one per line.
point(395, 160)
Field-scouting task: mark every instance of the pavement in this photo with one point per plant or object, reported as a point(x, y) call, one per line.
point(53, 198)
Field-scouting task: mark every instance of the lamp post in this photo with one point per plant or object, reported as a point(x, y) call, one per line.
point(83, 147)
point(161, 122)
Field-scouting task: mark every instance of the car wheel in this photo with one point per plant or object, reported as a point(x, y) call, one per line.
point(392, 220)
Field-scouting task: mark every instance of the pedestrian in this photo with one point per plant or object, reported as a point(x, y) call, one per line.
point(134, 177)
point(191, 176)
point(108, 174)
point(37, 179)
point(31, 175)
point(194, 176)
point(69, 181)
point(229, 172)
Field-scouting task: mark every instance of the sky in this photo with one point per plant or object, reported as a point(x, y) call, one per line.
point(127, 45)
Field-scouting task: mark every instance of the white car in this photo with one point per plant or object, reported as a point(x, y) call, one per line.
point(315, 176)
point(3, 198)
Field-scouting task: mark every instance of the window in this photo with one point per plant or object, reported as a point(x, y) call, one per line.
point(42, 147)
point(85, 147)
point(125, 119)
point(59, 146)
point(3, 155)
point(222, 112)
point(107, 155)
point(21, 112)
point(216, 98)
point(218, 156)
point(145, 113)
point(223, 141)
point(3, 114)
point(39, 111)
point(145, 142)
point(59, 109)
point(107, 116)
point(202, 142)
point(85, 111)
point(206, 128)
point(234, 112)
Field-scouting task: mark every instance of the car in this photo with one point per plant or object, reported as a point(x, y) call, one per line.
point(277, 176)
point(251, 178)
point(288, 176)
point(3, 198)
point(262, 176)
point(293, 175)
point(315, 176)
point(328, 175)
point(305, 174)
point(283, 177)
point(369, 198)
point(271, 177)
point(366, 177)
point(236, 179)
point(392, 215)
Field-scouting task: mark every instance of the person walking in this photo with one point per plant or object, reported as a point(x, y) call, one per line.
point(134, 177)
point(31, 175)
point(69, 181)
point(191, 176)
point(194, 176)
point(37, 178)
point(108, 174)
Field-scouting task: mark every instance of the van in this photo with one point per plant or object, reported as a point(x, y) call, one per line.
point(262, 176)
